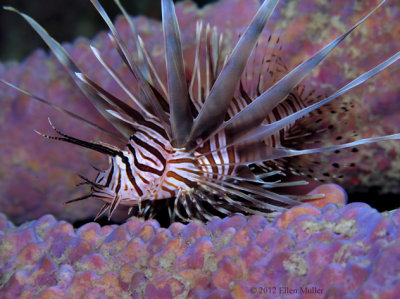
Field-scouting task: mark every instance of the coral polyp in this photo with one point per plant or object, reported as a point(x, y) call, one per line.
point(212, 134)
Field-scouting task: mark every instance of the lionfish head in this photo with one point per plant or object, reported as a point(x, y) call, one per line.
point(213, 144)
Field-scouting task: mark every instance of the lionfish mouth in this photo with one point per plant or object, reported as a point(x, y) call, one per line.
point(213, 144)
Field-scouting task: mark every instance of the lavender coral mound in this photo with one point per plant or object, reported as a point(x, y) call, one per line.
point(349, 252)
point(307, 27)
point(48, 170)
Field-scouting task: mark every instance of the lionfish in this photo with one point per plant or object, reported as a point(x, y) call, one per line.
point(210, 145)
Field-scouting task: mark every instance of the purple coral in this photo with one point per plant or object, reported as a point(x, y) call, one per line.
point(349, 252)
point(48, 170)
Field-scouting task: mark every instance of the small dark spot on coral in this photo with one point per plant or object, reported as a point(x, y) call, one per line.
point(325, 174)
point(336, 165)
point(333, 111)
point(339, 138)
point(352, 164)
point(330, 127)
point(354, 150)
point(310, 170)
point(318, 120)
point(319, 111)
point(337, 151)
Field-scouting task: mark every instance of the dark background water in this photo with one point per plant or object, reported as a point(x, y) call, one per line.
point(64, 20)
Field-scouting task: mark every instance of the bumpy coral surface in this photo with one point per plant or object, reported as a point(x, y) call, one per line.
point(307, 252)
point(370, 110)
point(35, 171)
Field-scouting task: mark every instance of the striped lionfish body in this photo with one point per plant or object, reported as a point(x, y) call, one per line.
point(211, 143)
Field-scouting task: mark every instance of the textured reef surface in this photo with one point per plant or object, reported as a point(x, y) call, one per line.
point(48, 170)
point(370, 110)
point(307, 252)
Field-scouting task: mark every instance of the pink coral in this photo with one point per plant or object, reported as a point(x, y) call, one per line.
point(349, 252)
point(371, 110)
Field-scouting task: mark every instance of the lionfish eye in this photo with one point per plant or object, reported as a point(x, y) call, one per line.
point(125, 160)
